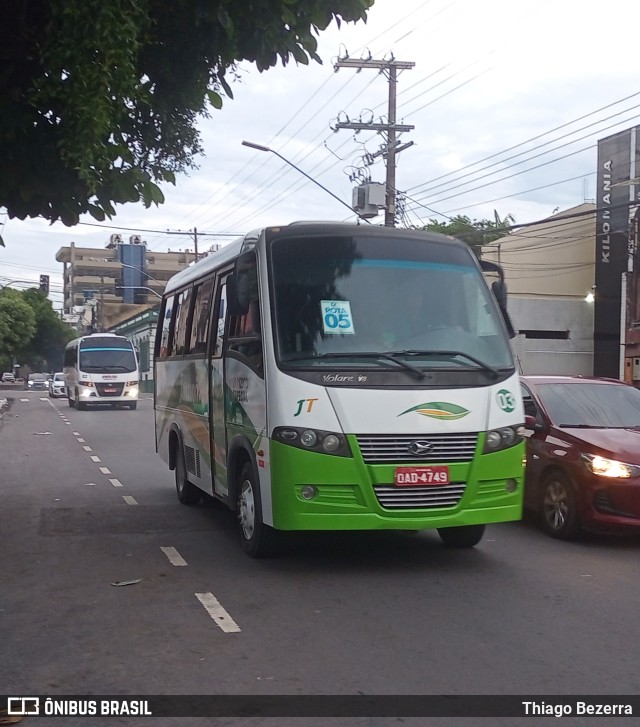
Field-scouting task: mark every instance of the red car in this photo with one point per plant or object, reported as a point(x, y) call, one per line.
point(583, 454)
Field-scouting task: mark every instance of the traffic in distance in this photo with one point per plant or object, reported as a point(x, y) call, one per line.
point(322, 376)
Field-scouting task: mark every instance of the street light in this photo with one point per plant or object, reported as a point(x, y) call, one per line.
point(144, 272)
point(259, 147)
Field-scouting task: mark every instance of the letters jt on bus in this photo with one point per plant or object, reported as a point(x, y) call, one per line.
point(101, 368)
point(329, 376)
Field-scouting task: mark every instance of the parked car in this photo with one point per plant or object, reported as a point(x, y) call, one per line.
point(37, 382)
point(56, 385)
point(8, 378)
point(583, 454)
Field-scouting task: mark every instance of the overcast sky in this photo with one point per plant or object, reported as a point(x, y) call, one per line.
point(508, 99)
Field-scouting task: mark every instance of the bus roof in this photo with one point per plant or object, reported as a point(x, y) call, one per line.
point(77, 340)
point(232, 250)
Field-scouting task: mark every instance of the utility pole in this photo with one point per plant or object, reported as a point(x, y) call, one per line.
point(390, 129)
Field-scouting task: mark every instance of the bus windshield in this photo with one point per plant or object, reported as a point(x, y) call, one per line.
point(342, 300)
point(107, 356)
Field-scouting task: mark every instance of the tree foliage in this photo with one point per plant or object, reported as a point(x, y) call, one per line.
point(30, 331)
point(474, 232)
point(100, 98)
point(17, 323)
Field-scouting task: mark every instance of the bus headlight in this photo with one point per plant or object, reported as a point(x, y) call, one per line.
point(132, 391)
point(314, 440)
point(502, 438)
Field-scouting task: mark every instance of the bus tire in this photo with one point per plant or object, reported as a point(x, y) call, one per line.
point(133, 405)
point(463, 536)
point(80, 405)
point(258, 540)
point(71, 401)
point(187, 492)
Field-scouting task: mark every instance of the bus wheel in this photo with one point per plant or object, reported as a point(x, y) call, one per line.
point(188, 493)
point(80, 405)
point(71, 401)
point(258, 540)
point(133, 405)
point(464, 536)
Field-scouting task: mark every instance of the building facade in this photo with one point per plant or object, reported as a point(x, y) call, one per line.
point(112, 284)
point(550, 271)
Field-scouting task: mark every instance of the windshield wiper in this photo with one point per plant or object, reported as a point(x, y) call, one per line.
point(417, 352)
point(368, 354)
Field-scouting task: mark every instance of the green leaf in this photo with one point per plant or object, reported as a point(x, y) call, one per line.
point(215, 99)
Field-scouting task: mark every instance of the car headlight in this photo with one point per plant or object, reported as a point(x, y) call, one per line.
point(503, 438)
point(314, 440)
point(604, 467)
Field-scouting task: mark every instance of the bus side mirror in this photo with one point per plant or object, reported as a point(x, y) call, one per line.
point(499, 290)
point(237, 294)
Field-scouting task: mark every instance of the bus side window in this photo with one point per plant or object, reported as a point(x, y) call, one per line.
point(200, 326)
point(167, 319)
point(245, 330)
point(182, 323)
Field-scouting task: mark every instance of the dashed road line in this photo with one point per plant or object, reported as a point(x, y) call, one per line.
point(130, 500)
point(116, 483)
point(217, 612)
point(174, 557)
point(106, 471)
point(80, 439)
point(77, 434)
point(95, 458)
point(87, 448)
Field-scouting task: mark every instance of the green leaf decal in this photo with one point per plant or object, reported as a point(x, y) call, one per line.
point(439, 410)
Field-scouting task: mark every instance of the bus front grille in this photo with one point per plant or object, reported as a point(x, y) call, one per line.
point(419, 498)
point(108, 390)
point(395, 448)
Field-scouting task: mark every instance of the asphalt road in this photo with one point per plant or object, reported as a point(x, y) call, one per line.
point(86, 504)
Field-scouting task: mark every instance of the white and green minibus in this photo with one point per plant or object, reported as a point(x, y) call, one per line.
point(332, 376)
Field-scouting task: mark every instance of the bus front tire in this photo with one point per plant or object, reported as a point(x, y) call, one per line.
point(133, 405)
point(80, 405)
point(463, 536)
point(258, 540)
point(188, 493)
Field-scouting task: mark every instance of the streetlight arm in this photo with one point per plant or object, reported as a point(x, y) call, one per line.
point(291, 164)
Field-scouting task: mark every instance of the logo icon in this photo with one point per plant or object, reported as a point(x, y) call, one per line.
point(506, 400)
point(419, 447)
point(439, 410)
point(23, 706)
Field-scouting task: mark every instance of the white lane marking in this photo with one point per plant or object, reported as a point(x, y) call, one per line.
point(90, 484)
point(95, 458)
point(87, 448)
point(25, 399)
point(116, 483)
point(130, 500)
point(217, 612)
point(80, 439)
point(44, 398)
point(174, 557)
point(105, 471)
point(77, 434)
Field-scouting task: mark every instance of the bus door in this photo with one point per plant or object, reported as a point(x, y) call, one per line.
point(217, 392)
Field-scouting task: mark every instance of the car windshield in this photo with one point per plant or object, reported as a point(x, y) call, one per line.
point(38, 377)
point(363, 301)
point(584, 404)
point(58, 377)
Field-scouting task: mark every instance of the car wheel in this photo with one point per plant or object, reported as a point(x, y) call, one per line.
point(258, 540)
point(187, 492)
point(464, 536)
point(559, 507)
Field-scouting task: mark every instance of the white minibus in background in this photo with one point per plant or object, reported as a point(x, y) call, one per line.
point(101, 368)
point(299, 382)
